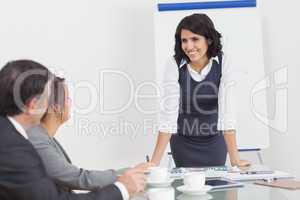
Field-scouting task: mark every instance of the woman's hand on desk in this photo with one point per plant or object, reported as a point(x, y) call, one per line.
point(241, 163)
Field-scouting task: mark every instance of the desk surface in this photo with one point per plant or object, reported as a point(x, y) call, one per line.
point(248, 192)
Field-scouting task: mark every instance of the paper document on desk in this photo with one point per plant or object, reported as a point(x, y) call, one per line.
point(257, 176)
point(210, 172)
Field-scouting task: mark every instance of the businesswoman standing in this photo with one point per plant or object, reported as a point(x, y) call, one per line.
point(196, 116)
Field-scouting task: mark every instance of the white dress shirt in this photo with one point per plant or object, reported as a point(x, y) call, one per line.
point(22, 131)
point(170, 94)
point(18, 127)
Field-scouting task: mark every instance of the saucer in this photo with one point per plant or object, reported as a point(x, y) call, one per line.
point(165, 183)
point(194, 197)
point(194, 191)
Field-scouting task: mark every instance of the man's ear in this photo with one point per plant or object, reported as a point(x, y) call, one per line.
point(30, 106)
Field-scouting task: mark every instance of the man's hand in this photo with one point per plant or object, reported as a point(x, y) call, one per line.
point(134, 180)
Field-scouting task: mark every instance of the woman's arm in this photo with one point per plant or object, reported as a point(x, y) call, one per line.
point(227, 108)
point(69, 175)
point(233, 152)
point(161, 144)
point(63, 172)
point(169, 106)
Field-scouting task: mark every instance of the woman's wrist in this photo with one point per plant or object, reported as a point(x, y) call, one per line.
point(155, 162)
point(155, 159)
point(234, 158)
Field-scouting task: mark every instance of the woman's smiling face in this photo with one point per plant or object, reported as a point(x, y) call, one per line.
point(194, 46)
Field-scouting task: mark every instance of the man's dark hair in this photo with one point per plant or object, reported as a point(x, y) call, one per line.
point(20, 82)
point(202, 25)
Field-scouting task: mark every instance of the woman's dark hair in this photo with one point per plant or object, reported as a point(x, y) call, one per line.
point(202, 25)
point(21, 81)
point(57, 94)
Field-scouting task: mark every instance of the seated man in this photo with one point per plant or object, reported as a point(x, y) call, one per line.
point(23, 101)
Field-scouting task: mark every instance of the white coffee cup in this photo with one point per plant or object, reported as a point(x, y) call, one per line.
point(194, 180)
point(161, 194)
point(158, 174)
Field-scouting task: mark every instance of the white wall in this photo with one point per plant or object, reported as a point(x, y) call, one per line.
point(83, 37)
point(281, 43)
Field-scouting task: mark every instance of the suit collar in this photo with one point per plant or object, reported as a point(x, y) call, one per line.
point(18, 127)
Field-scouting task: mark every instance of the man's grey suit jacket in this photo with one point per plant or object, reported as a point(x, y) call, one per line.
point(59, 167)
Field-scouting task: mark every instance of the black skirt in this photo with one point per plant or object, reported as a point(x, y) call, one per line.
point(198, 151)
